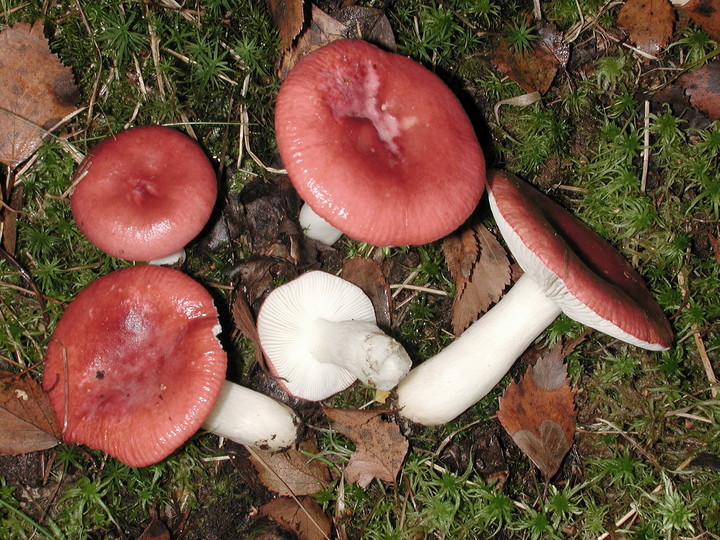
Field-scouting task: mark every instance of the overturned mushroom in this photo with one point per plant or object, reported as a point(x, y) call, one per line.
point(568, 268)
point(319, 335)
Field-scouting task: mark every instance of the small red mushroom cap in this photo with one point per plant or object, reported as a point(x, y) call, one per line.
point(378, 145)
point(134, 365)
point(587, 277)
point(144, 193)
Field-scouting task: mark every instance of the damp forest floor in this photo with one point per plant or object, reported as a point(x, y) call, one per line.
point(612, 137)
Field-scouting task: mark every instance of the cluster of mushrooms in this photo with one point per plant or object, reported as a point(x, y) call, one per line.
point(380, 150)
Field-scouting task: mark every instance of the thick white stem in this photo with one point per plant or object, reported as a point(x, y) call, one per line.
point(174, 259)
point(460, 375)
point(363, 349)
point(316, 227)
point(251, 418)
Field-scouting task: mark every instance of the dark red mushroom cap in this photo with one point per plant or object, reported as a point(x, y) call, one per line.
point(590, 280)
point(144, 193)
point(134, 366)
point(377, 145)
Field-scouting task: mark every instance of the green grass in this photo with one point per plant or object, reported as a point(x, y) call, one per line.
point(643, 416)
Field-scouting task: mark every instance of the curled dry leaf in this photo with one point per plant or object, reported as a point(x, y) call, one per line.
point(301, 515)
point(380, 448)
point(649, 23)
point(37, 91)
point(27, 420)
point(539, 412)
point(293, 471)
point(703, 87)
point(481, 270)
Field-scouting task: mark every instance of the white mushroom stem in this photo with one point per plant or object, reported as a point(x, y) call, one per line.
point(363, 349)
point(174, 259)
point(460, 375)
point(251, 418)
point(316, 227)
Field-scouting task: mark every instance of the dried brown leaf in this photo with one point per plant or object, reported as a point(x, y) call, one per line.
point(380, 448)
point(322, 29)
point(289, 18)
point(245, 323)
point(301, 515)
point(27, 420)
point(703, 87)
point(368, 275)
point(534, 70)
point(649, 23)
point(481, 270)
point(705, 13)
point(156, 530)
point(37, 91)
point(539, 412)
point(293, 471)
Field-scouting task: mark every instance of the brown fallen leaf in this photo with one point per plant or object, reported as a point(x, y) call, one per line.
point(289, 19)
point(380, 448)
point(481, 270)
point(703, 87)
point(539, 411)
point(368, 275)
point(293, 471)
point(27, 420)
point(156, 530)
point(705, 13)
point(322, 29)
point(534, 70)
point(649, 23)
point(301, 515)
point(31, 100)
point(245, 323)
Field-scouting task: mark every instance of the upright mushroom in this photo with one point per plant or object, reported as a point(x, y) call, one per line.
point(568, 268)
point(144, 193)
point(319, 335)
point(377, 146)
point(134, 368)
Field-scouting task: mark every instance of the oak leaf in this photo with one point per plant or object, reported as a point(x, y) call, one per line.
point(37, 91)
point(481, 270)
point(649, 23)
point(703, 87)
point(293, 471)
point(27, 420)
point(539, 412)
point(380, 448)
point(301, 515)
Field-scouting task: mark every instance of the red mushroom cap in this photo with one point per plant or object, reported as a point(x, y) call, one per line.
point(377, 145)
point(144, 193)
point(134, 366)
point(591, 281)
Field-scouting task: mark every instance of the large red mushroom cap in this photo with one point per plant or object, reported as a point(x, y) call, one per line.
point(377, 145)
point(588, 278)
point(134, 365)
point(144, 193)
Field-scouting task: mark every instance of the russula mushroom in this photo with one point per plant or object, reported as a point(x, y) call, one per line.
point(144, 193)
point(377, 146)
point(568, 269)
point(134, 368)
point(319, 335)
